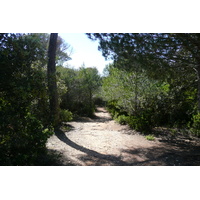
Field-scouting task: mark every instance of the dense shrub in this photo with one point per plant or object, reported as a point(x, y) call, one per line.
point(150, 101)
point(139, 123)
point(122, 119)
point(195, 125)
point(24, 126)
point(22, 139)
point(66, 115)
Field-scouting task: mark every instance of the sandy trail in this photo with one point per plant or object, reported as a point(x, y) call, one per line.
point(103, 142)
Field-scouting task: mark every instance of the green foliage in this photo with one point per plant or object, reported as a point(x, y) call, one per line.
point(122, 119)
point(140, 123)
point(24, 108)
point(24, 96)
point(158, 73)
point(82, 85)
point(66, 116)
point(63, 51)
point(195, 125)
point(132, 90)
point(150, 137)
point(149, 102)
point(134, 94)
point(22, 139)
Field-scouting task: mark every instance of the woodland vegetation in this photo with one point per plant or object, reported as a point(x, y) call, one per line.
point(154, 81)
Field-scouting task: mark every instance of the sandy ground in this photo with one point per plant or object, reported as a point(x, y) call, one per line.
point(103, 142)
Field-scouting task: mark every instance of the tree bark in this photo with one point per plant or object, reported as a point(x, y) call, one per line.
point(52, 84)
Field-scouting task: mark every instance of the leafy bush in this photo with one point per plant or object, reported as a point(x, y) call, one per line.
point(66, 116)
point(195, 125)
point(22, 139)
point(113, 109)
point(122, 119)
point(140, 122)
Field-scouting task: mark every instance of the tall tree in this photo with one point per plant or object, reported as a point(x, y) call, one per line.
point(191, 45)
point(155, 52)
point(63, 51)
point(52, 84)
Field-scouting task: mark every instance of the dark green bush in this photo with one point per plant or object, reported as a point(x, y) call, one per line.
point(66, 116)
point(22, 139)
point(140, 122)
point(113, 109)
point(122, 119)
point(195, 125)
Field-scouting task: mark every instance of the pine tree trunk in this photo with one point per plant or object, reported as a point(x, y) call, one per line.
point(52, 84)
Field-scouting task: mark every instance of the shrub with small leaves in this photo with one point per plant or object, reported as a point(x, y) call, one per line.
point(140, 122)
point(195, 125)
point(22, 139)
point(66, 115)
point(122, 119)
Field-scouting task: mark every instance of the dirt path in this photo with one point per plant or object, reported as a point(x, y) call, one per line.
point(101, 141)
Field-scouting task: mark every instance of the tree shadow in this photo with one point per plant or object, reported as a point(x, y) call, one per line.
point(99, 110)
point(172, 153)
point(166, 156)
point(93, 119)
point(102, 119)
point(94, 154)
point(52, 158)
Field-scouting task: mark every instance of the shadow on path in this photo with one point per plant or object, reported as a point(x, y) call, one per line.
point(113, 159)
point(153, 156)
point(156, 156)
point(166, 156)
point(93, 119)
point(98, 116)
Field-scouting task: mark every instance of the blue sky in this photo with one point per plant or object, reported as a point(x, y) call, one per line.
point(84, 51)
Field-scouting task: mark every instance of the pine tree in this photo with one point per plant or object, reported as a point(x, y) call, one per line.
point(52, 84)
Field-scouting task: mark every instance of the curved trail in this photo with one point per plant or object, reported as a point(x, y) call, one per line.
point(103, 142)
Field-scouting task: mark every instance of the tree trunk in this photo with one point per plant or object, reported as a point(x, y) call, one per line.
point(52, 84)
